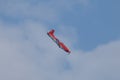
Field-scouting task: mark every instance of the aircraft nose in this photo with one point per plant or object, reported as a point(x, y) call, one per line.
point(68, 51)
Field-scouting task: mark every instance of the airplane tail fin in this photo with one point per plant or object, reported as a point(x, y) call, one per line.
point(52, 31)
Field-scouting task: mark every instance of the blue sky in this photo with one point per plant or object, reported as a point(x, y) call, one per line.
point(90, 28)
point(96, 22)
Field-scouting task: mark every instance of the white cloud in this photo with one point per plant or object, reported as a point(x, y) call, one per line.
point(27, 53)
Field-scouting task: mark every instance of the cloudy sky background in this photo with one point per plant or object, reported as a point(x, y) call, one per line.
point(90, 28)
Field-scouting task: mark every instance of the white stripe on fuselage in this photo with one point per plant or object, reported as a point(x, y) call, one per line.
point(54, 40)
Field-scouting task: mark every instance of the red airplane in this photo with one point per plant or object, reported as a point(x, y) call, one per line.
point(59, 43)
